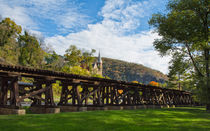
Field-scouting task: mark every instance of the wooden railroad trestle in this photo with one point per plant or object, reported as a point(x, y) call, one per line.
point(80, 91)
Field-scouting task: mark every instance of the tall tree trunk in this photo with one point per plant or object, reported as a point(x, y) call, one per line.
point(179, 82)
point(207, 62)
point(206, 50)
point(207, 77)
point(193, 61)
point(208, 107)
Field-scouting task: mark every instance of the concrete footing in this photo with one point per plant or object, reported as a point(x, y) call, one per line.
point(153, 106)
point(82, 108)
point(93, 108)
point(172, 106)
point(8, 111)
point(165, 106)
point(68, 108)
point(44, 110)
point(150, 106)
point(141, 107)
point(114, 107)
point(129, 107)
point(183, 105)
point(157, 107)
point(72, 108)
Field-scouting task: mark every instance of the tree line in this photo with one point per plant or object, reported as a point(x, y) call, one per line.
point(23, 48)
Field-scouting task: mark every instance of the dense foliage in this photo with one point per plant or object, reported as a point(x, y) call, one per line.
point(26, 49)
point(185, 36)
point(121, 70)
point(9, 32)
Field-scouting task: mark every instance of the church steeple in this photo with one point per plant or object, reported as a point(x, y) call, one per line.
point(99, 64)
point(99, 58)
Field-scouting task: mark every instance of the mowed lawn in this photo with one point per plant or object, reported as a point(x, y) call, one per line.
point(183, 119)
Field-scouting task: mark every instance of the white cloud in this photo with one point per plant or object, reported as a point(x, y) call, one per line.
point(65, 14)
point(124, 16)
point(17, 13)
point(137, 48)
point(109, 36)
point(112, 35)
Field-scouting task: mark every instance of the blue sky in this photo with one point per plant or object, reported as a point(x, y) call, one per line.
point(118, 28)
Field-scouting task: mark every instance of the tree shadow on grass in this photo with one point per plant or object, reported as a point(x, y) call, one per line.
point(118, 120)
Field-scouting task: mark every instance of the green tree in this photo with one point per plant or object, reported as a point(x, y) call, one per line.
point(80, 62)
point(77, 70)
point(9, 32)
point(54, 61)
point(31, 53)
point(88, 58)
point(185, 29)
point(76, 57)
point(178, 66)
point(73, 56)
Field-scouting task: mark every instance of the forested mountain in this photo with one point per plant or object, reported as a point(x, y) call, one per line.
point(121, 70)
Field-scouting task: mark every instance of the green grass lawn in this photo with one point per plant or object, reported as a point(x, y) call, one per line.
point(184, 119)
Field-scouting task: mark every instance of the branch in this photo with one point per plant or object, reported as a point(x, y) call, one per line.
point(193, 61)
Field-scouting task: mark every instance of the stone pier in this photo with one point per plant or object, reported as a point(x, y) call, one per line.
point(44, 110)
point(8, 111)
point(114, 107)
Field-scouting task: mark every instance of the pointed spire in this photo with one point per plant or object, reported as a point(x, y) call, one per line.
point(99, 57)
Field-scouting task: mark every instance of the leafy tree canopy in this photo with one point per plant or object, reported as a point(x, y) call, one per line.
point(8, 30)
point(31, 53)
point(184, 32)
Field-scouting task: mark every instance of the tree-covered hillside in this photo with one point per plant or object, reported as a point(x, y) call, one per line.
point(121, 70)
